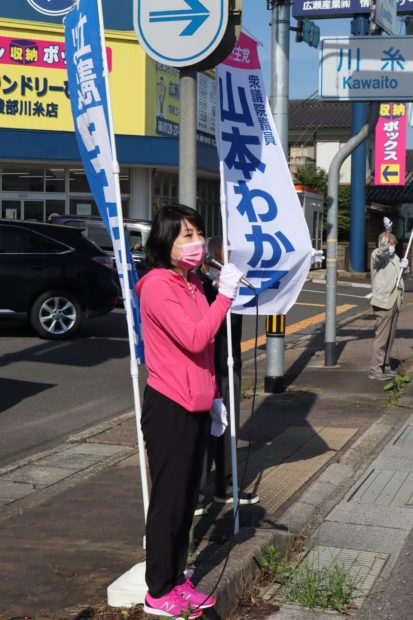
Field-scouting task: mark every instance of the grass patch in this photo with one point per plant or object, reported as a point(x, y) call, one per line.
point(322, 587)
point(327, 587)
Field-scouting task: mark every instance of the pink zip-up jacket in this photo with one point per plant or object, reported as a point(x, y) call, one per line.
point(178, 334)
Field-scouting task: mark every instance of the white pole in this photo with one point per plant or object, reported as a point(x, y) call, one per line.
point(232, 422)
point(126, 291)
point(406, 254)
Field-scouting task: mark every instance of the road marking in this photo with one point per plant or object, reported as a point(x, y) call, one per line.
point(247, 345)
point(302, 303)
point(309, 290)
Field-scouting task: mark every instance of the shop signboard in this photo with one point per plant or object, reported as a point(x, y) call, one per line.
point(390, 145)
point(183, 33)
point(328, 9)
point(52, 7)
point(168, 105)
point(34, 92)
point(366, 68)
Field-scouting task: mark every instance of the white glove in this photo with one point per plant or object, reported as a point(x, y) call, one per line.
point(404, 263)
point(219, 417)
point(317, 256)
point(229, 280)
point(388, 224)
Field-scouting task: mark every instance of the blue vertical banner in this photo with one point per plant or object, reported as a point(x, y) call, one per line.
point(86, 66)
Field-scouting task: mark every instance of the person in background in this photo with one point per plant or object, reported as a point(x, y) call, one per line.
point(387, 300)
point(219, 448)
point(178, 328)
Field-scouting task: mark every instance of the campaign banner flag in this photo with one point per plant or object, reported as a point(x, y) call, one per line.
point(90, 109)
point(390, 144)
point(267, 232)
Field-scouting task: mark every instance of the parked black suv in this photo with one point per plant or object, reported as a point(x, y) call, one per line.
point(136, 233)
point(53, 275)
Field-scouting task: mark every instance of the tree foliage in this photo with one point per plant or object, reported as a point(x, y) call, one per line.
point(312, 177)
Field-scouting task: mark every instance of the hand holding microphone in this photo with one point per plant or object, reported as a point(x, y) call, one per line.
point(229, 280)
point(230, 277)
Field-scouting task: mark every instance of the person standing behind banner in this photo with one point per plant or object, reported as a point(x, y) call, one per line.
point(387, 300)
point(219, 448)
point(178, 332)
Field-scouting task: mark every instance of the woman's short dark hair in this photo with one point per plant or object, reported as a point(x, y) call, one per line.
point(165, 228)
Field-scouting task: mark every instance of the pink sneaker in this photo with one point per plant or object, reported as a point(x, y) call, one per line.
point(193, 597)
point(171, 605)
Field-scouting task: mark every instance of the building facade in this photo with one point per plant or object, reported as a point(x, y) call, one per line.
point(40, 168)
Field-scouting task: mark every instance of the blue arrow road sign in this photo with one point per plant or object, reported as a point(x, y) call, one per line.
point(197, 15)
point(182, 33)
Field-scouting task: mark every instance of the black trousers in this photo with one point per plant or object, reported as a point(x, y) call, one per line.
point(175, 444)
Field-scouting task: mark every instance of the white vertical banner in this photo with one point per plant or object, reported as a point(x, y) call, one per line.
point(267, 231)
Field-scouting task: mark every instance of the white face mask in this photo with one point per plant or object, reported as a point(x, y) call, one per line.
point(392, 250)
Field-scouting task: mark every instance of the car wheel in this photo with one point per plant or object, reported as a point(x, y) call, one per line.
point(56, 315)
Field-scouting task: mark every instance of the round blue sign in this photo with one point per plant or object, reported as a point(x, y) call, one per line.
point(52, 7)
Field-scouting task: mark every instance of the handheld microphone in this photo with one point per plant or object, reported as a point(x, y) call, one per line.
point(214, 262)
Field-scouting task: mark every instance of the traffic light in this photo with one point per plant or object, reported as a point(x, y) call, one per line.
point(308, 32)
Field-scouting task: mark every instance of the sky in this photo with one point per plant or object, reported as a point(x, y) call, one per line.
point(303, 58)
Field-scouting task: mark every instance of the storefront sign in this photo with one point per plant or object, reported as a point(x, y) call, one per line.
point(390, 145)
point(168, 106)
point(34, 90)
point(167, 101)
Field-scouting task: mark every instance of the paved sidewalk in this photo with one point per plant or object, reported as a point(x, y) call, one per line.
point(71, 520)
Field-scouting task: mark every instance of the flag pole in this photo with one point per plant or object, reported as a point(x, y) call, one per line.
point(230, 361)
point(125, 274)
point(406, 254)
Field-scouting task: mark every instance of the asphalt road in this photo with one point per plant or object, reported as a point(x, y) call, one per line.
point(52, 389)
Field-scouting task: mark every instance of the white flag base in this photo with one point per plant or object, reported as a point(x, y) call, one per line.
point(129, 589)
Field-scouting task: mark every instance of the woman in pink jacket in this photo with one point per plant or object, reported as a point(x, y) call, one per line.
point(178, 332)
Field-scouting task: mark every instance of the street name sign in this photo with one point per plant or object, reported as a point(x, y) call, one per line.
point(180, 33)
point(385, 15)
point(366, 68)
point(52, 7)
point(327, 9)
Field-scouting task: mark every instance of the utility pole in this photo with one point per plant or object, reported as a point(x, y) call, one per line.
point(359, 113)
point(187, 138)
point(280, 52)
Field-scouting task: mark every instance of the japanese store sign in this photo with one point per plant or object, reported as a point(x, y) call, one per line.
point(366, 68)
point(267, 231)
point(168, 106)
point(390, 145)
point(34, 87)
point(326, 9)
point(89, 93)
point(167, 101)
